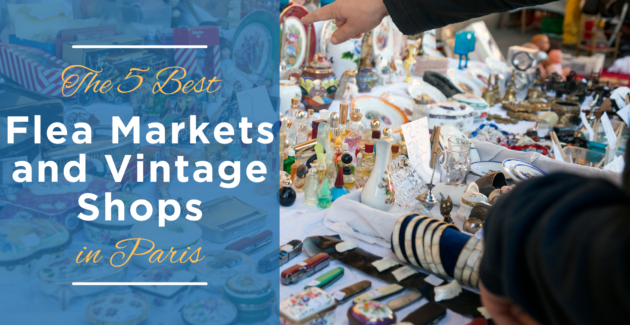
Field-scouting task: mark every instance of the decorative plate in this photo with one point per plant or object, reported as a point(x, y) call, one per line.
point(447, 131)
point(298, 12)
point(374, 107)
point(483, 168)
point(294, 43)
point(253, 44)
point(465, 82)
point(402, 101)
point(521, 170)
point(420, 89)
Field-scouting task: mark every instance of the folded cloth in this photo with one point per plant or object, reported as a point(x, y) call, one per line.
point(348, 216)
point(488, 151)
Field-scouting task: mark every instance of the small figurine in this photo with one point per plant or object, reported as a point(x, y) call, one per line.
point(446, 206)
point(488, 94)
point(554, 64)
point(464, 44)
point(352, 90)
point(542, 43)
point(383, 70)
point(510, 91)
point(347, 87)
point(409, 60)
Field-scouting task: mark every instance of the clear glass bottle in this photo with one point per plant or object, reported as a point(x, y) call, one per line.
point(367, 162)
point(388, 135)
point(322, 134)
point(333, 124)
point(291, 113)
point(294, 168)
point(368, 133)
point(338, 142)
point(311, 187)
point(420, 109)
point(348, 178)
point(354, 130)
point(331, 171)
point(299, 181)
point(338, 190)
point(324, 198)
point(321, 174)
point(302, 134)
point(310, 117)
point(343, 120)
point(289, 161)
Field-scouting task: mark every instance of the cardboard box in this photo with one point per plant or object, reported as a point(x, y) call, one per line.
point(79, 56)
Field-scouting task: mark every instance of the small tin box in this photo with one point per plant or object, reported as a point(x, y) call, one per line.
point(312, 306)
point(252, 295)
point(164, 298)
point(371, 313)
point(227, 218)
point(27, 245)
point(209, 311)
point(118, 308)
point(217, 267)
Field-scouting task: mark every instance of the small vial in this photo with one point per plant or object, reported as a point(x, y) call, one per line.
point(324, 198)
point(310, 189)
point(339, 189)
point(299, 181)
point(302, 134)
point(388, 135)
point(349, 180)
point(289, 161)
point(368, 160)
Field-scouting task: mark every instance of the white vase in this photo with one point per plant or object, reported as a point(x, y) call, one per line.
point(288, 89)
point(378, 191)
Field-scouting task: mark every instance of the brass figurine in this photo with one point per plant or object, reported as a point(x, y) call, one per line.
point(446, 206)
point(510, 91)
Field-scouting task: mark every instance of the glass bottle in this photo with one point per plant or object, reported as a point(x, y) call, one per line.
point(322, 134)
point(368, 160)
point(354, 130)
point(299, 182)
point(388, 135)
point(294, 168)
point(333, 124)
point(331, 171)
point(338, 142)
point(310, 189)
point(289, 161)
point(348, 178)
point(309, 120)
point(368, 134)
point(292, 112)
point(321, 174)
point(395, 151)
point(338, 190)
point(302, 134)
point(343, 119)
point(420, 109)
point(292, 132)
point(287, 194)
point(324, 198)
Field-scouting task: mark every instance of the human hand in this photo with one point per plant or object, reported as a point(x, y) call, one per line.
point(503, 310)
point(352, 17)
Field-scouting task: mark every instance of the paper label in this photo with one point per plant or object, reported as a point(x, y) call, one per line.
point(418, 143)
point(617, 165)
point(30, 240)
point(345, 246)
point(302, 264)
point(479, 234)
point(608, 129)
point(339, 295)
point(588, 127)
point(384, 264)
point(433, 280)
point(286, 248)
point(374, 294)
point(313, 283)
point(403, 273)
point(556, 151)
point(624, 113)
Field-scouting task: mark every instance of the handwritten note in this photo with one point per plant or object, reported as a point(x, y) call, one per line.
point(624, 113)
point(588, 127)
point(610, 132)
point(419, 146)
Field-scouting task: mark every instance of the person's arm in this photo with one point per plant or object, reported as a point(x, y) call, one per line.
point(354, 17)
point(558, 248)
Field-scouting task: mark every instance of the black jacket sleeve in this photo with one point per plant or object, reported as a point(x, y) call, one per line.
point(559, 247)
point(416, 16)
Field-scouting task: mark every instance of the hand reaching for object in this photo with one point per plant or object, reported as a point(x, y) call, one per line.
point(352, 17)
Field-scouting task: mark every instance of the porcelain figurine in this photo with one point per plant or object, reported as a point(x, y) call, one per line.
point(318, 83)
point(347, 86)
point(383, 71)
point(378, 191)
point(468, 202)
point(409, 61)
point(352, 90)
point(366, 78)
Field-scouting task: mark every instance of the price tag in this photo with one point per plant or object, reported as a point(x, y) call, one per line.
point(403, 273)
point(384, 264)
point(433, 280)
point(339, 295)
point(610, 132)
point(624, 113)
point(479, 234)
point(374, 294)
point(589, 129)
point(313, 283)
point(30, 240)
point(418, 143)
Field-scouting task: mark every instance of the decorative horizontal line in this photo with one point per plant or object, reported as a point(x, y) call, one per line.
point(139, 46)
point(139, 283)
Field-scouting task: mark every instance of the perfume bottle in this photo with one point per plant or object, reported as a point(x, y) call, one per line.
point(287, 194)
point(289, 161)
point(395, 151)
point(331, 171)
point(367, 161)
point(333, 124)
point(291, 113)
point(346, 157)
point(311, 187)
point(324, 198)
point(338, 190)
point(348, 178)
point(343, 119)
point(310, 117)
point(354, 129)
point(292, 132)
point(388, 135)
point(321, 173)
point(338, 151)
point(322, 134)
point(368, 134)
point(302, 134)
point(299, 181)
point(420, 109)
point(294, 168)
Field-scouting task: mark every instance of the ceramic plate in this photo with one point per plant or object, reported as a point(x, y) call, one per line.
point(483, 168)
point(298, 12)
point(521, 170)
point(404, 102)
point(327, 30)
point(464, 82)
point(253, 44)
point(294, 43)
point(447, 131)
point(374, 107)
point(383, 39)
point(419, 89)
